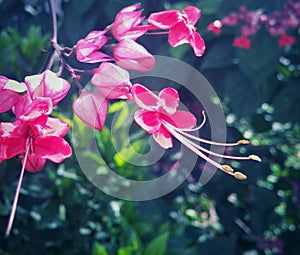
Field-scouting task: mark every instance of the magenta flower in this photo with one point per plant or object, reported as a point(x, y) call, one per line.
point(91, 109)
point(127, 23)
point(112, 81)
point(130, 55)
point(181, 27)
point(242, 42)
point(159, 116)
point(87, 49)
point(160, 111)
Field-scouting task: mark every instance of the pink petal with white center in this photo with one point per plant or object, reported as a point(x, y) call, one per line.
point(193, 14)
point(112, 81)
point(163, 138)
point(164, 19)
point(56, 127)
point(34, 164)
point(170, 100)
point(53, 148)
point(179, 34)
point(132, 56)
point(10, 93)
point(198, 44)
point(130, 8)
point(182, 119)
point(149, 121)
point(91, 109)
point(47, 84)
point(144, 98)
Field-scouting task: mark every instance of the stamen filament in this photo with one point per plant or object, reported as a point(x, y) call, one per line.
point(207, 141)
point(190, 145)
point(15, 202)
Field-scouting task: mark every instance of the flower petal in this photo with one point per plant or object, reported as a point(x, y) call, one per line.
point(130, 55)
point(198, 44)
point(34, 164)
point(144, 98)
point(56, 127)
point(164, 19)
point(182, 119)
point(53, 148)
point(179, 34)
point(193, 14)
point(169, 99)
point(91, 109)
point(149, 121)
point(163, 138)
point(112, 81)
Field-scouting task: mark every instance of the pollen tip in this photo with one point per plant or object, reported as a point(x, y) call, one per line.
point(239, 176)
point(227, 168)
point(243, 141)
point(255, 157)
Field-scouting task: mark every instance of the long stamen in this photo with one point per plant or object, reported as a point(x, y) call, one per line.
point(190, 145)
point(210, 142)
point(14, 206)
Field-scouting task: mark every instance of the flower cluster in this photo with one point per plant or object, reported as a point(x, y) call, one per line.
point(276, 23)
point(35, 137)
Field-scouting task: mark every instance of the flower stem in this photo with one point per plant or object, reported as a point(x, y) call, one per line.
point(14, 206)
point(50, 58)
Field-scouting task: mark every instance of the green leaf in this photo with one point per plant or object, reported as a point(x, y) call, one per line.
point(125, 250)
point(158, 245)
point(98, 249)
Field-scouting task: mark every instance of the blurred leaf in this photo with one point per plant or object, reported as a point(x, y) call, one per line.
point(158, 245)
point(98, 249)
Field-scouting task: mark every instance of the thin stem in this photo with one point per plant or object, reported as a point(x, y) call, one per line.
point(14, 206)
point(50, 58)
point(197, 128)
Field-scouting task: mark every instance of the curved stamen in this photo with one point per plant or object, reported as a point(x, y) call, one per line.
point(197, 128)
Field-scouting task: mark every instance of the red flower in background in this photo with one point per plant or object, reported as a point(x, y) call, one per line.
point(286, 40)
point(242, 42)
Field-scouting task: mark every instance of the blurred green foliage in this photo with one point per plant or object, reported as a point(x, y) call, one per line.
point(61, 212)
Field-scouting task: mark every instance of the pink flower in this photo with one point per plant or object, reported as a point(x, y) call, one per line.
point(87, 49)
point(11, 92)
point(242, 42)
point(159, 116)
point(159, 111)
point(286, 40)
point(91, 109)
point(215, 27)
point(112, 81)
point(41, 136)
point(47, 84)
point(181, 26)
point(130, 55)
point(127, 23)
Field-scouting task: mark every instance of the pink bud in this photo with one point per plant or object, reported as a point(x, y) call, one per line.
point(133, 56)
